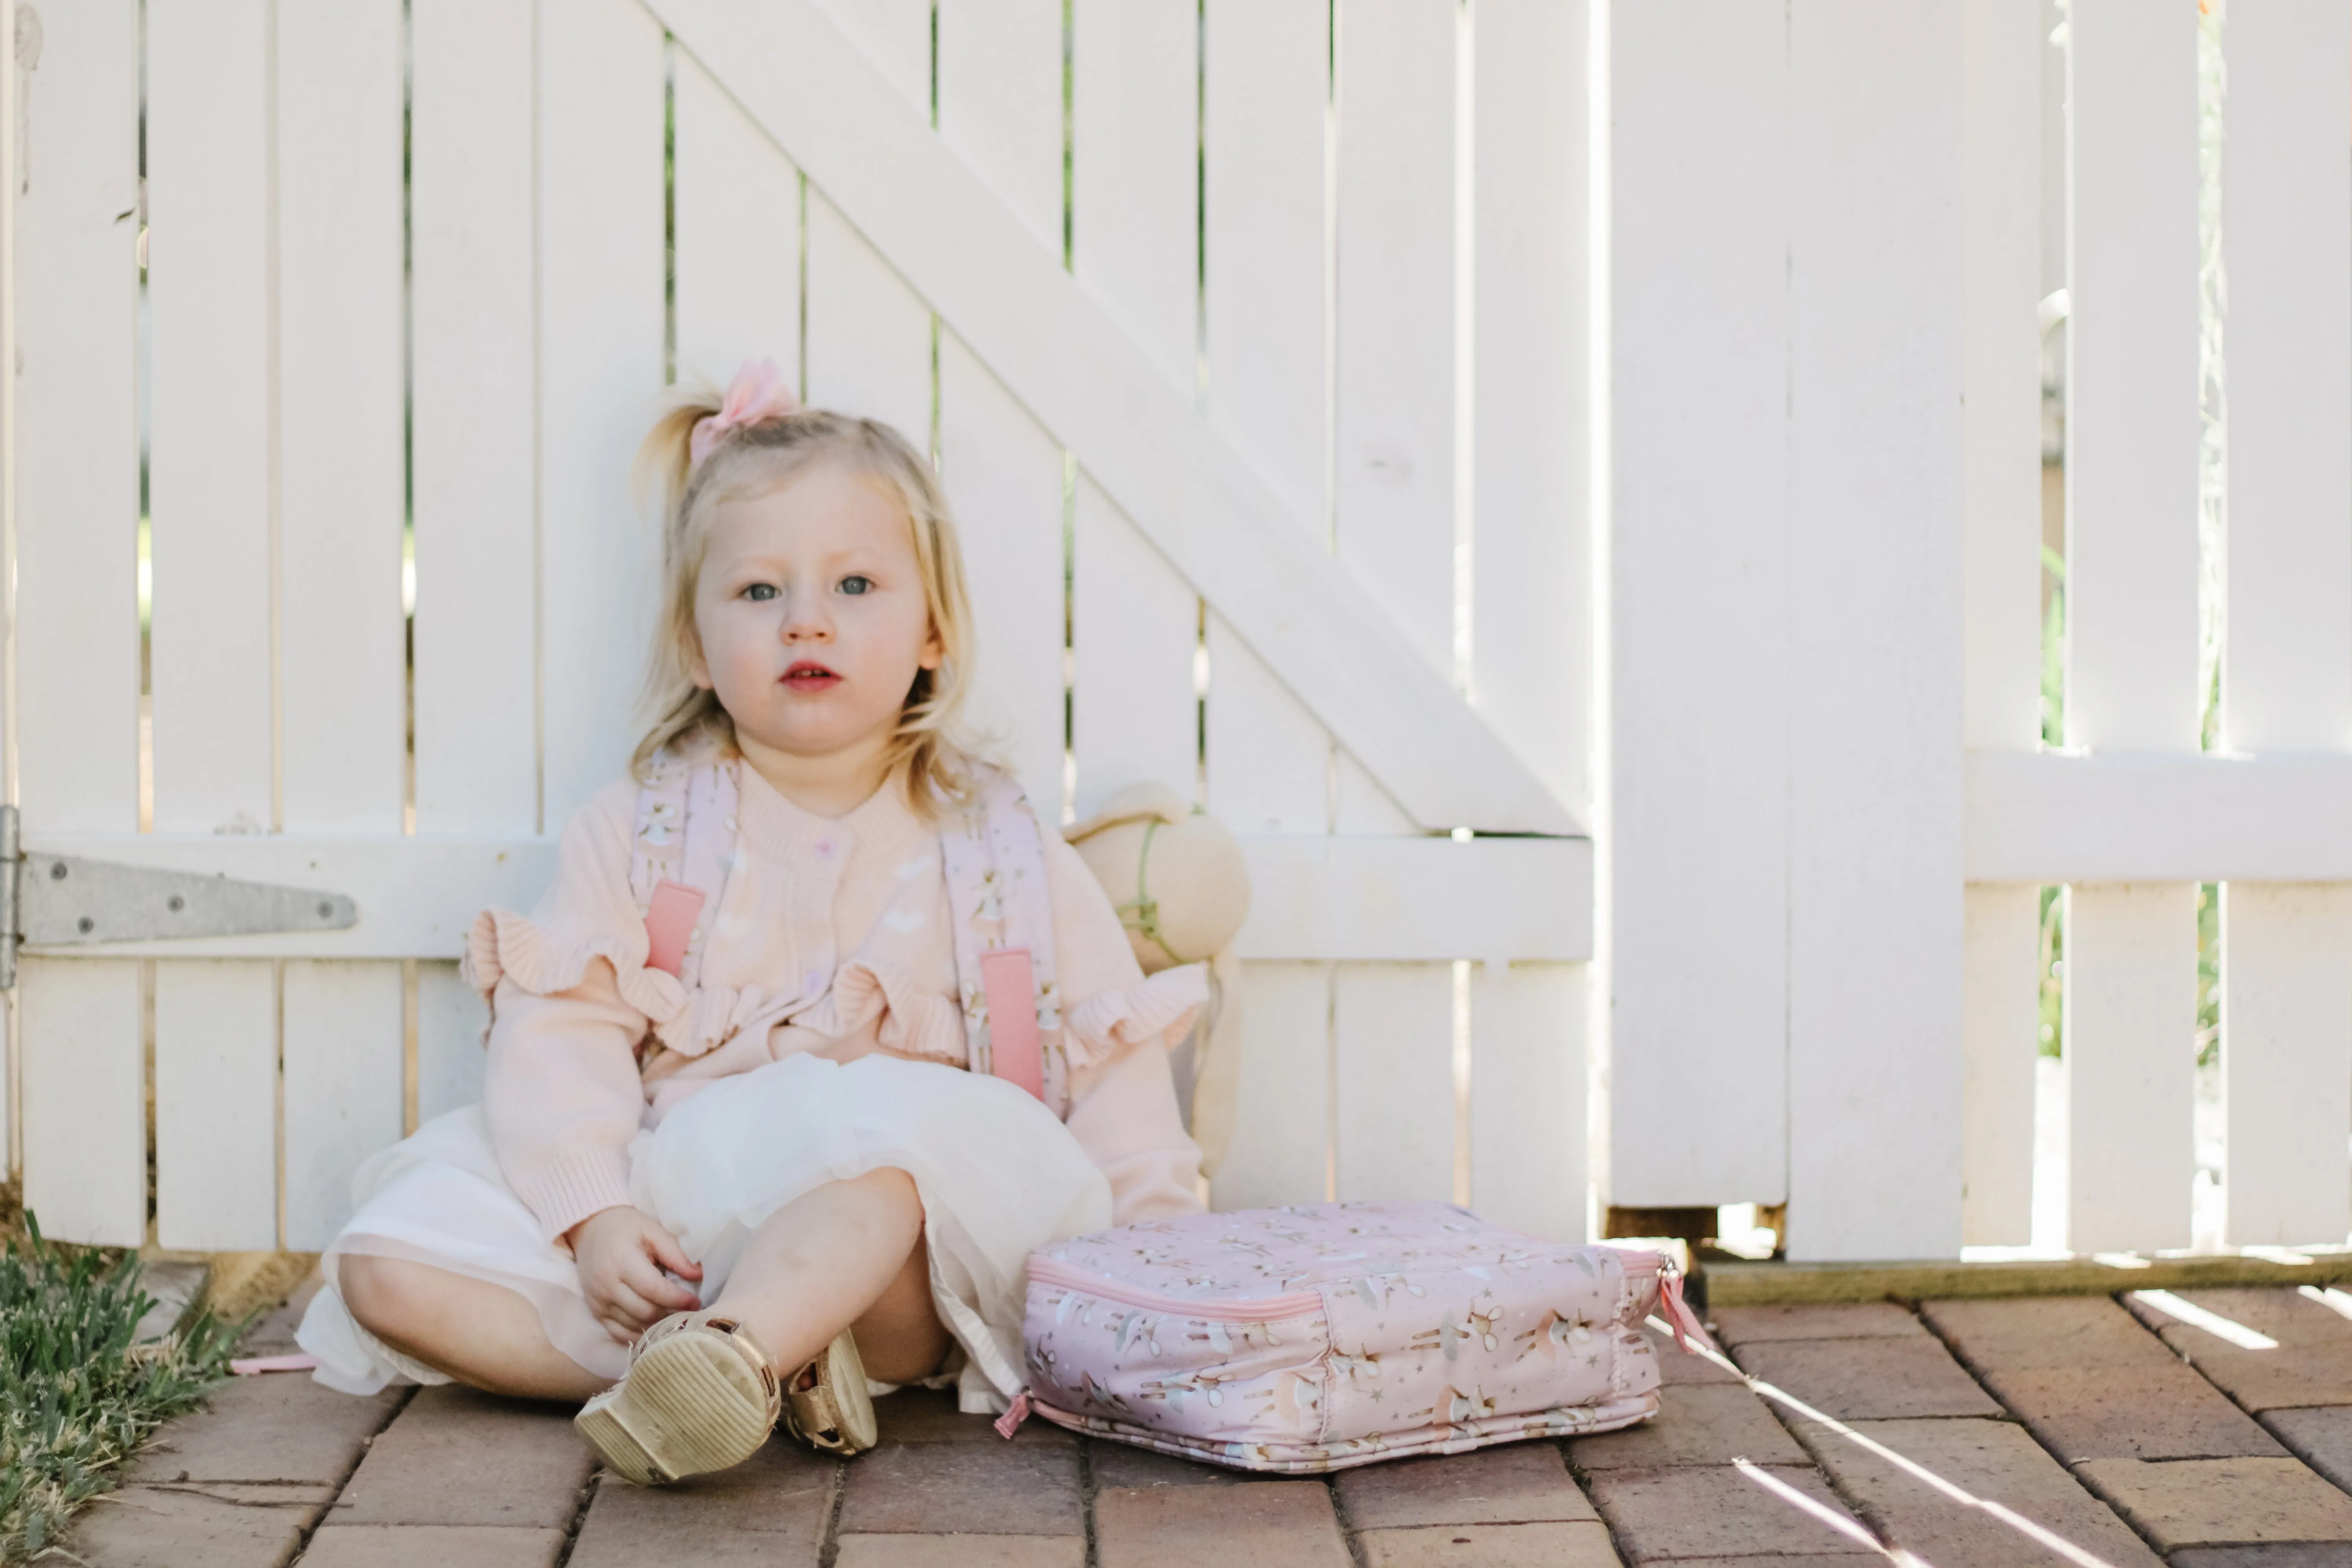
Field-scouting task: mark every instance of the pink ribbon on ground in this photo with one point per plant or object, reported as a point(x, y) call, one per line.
point(757, 395)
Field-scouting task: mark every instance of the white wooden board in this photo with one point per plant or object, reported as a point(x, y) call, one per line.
point(2000, 995)
point(1281, 1146)
point(343, 1029)
point(1004, 480)
point(342, 468)
point(74, 230)
point(2130, 1033)
point(1134, 634)
point(217, 1105)
point(1393, 1083)
point(1532, 618)
point(2286, 1061)
point(1875, 554)
point(1135, 120)
point(869, 338)
point(738, 238)
point(212, 401)
point(2156, 816)
point(451, 1065)
point(475, 378)
point(1699, 743)
point(84, 1100)
point(2131, 380)
point(1000, 103)
point(2002, 44)
point(1527, 1106)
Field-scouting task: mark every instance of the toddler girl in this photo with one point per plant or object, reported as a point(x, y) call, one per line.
point(736, 1139)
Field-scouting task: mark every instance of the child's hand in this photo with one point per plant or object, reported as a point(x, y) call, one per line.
point(622, 1252)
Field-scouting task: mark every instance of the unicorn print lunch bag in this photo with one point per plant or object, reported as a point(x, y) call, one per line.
point(1326, 1335)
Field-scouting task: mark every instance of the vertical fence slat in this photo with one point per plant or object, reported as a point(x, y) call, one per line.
point(2286, 228)
point(342, 478)
point(1281, 1131)
point(209, 288)
point(211, 291)
point(2003, 45)
point(85, 1099)
point(1266, 83)
point(738, 238)
point(75, 229)
point(1874, 561)
point(342, 1087)
point(2131, 420)
point(1135, 207)
point(999, 106)
point(2131, 597)
point(1699, 744)
point(1394, 521)
point(2286, 1061)
point(473, 307)
point(1531, 585)
point(342, 470)
point(1528, 1096)
point(2130, 1019)
point(600, 277)
point(451, 1065)
point(2000, 1020)
point(1393, 466)
point(1394, 1092)
point(1136, 628)
point(1003, 477)
point(869, 338)
point(217, 1105)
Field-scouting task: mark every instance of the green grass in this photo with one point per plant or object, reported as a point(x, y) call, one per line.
point(76, 1396)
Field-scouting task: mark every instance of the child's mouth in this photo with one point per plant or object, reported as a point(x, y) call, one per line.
point(808, 675)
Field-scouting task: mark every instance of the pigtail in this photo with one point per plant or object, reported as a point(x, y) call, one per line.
point(686, 717)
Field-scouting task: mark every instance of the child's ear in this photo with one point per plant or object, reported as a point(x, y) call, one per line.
point(933, 655)
point(697, 667)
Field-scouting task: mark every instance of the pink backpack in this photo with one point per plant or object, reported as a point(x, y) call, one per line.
point(683, 847)
point(1327, 1335)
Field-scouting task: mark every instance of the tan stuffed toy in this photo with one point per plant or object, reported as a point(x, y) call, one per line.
point(1180, 884)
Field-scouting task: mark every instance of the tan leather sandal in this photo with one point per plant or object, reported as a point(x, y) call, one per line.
point(827, 1404)
point(699, 1395)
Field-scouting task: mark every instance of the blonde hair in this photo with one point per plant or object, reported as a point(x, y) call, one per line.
point(928, 750)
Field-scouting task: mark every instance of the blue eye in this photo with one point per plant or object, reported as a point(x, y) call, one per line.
point(854, 584)
point(760, 593)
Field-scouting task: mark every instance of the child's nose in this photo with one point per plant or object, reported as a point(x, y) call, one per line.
point(805, 618)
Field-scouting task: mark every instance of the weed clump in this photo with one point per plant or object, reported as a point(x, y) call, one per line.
point(78, 1393)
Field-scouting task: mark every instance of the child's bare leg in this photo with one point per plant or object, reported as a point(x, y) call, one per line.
point(482, 1334)
point(848, 1254)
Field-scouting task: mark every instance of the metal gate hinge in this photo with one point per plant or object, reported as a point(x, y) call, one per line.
point(65, 900)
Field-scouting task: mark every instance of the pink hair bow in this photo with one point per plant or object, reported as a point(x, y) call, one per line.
point(757, 395)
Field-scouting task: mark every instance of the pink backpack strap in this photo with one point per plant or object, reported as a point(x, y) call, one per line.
point(994, 858)
point(680, 853)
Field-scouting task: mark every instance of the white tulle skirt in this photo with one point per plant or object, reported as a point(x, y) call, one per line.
point(998, 1173)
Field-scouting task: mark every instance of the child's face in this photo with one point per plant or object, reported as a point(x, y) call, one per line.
point(811, 615)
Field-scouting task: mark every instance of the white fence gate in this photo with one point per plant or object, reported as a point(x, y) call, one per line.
point(1422, 428)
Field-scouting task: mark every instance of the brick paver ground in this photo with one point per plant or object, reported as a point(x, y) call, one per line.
point(2139, 1439)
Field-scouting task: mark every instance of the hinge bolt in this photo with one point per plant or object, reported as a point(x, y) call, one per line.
point(178, 903)
point(86, 924)
point(56, 871)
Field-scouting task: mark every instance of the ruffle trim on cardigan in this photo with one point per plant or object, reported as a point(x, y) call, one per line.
point(908, 1021)
point(503, 946)
point(1162, 1008)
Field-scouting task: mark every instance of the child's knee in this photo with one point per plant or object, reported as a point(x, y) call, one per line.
point(380, 1293)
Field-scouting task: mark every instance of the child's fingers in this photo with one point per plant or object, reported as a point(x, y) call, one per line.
point(670, 1255)
point(625, 1301)
point(658, 1290)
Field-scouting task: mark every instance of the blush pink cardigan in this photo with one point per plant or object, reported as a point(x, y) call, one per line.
point(569, 1085)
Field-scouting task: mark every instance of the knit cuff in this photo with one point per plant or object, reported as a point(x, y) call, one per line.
point(564, 1192)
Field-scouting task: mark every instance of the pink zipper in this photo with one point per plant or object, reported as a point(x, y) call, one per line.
point(1259, 1310)
point(1297, 1304)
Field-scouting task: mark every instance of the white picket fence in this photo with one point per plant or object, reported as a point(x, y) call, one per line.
point(1531, 417)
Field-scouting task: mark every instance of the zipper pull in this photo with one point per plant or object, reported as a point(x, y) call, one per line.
point(1679, 1315)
